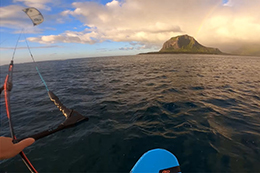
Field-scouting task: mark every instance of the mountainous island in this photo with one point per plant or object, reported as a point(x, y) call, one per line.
point(185, 44)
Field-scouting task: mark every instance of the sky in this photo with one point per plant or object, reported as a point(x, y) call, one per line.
point(94, 28)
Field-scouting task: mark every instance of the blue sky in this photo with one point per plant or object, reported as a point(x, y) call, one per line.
point(83, 28)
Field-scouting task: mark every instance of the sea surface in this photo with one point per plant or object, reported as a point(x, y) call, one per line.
point(203, 108)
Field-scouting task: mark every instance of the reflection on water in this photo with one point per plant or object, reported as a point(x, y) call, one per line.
point(203, 108)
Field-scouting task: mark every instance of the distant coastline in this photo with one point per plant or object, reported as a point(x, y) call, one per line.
point(185, 44)
point(185, 53)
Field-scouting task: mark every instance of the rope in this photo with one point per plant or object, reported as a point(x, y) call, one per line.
point(7, 103)
point(38, 71)
point(17, 44)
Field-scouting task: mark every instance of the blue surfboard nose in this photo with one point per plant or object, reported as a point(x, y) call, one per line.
point(156, 161)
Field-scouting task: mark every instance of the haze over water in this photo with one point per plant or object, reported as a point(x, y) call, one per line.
point(203, 108)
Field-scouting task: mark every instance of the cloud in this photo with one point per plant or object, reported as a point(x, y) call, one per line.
point(13, 17)
point(126, 48)
point(148, 46)
point(39, 4)
point(33, 47)
point(211, 22)
point(88, 36)
point(113, 3)
point(139, 46)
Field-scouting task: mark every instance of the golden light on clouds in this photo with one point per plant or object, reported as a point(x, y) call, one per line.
point(224, 24)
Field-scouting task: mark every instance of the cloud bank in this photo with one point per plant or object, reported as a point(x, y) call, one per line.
point(151, 22)
point(39, 4)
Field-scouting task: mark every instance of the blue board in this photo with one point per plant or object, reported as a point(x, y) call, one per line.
point(157, 161)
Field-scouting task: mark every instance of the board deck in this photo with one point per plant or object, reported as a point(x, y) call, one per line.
point(157, 161)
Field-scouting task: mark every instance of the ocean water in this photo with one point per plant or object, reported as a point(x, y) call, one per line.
point(203, 108)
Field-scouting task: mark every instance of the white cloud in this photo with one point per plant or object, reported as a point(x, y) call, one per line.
point(67, 37)
point(40, 4)
point(38, 47)
point(113, 3)
point(126, 48)
point(153, 22)
point(140, 46)
point(13, 17)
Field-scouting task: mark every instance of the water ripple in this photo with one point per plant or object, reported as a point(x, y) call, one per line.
point(203, 108)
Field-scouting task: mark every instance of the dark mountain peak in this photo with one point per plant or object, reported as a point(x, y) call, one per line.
point(186, 44)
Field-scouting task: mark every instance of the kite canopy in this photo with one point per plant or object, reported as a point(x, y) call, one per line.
point(34, 15)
